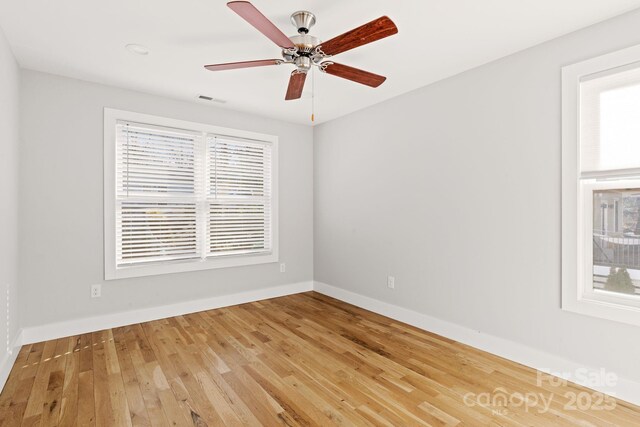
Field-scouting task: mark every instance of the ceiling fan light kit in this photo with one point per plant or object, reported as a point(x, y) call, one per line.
point(305, 51)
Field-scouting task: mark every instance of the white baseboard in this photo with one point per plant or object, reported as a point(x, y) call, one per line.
point(8, 360)
point(624, 389)
point(67, 328)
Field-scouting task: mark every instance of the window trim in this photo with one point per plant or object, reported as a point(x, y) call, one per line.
point(111, 272)
point(577, 200)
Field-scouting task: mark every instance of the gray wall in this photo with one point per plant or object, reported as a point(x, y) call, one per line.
point(9, 141)
point(61, 204)
point(454, 189)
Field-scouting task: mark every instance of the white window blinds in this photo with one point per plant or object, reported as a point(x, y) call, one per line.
point(186, 195)
point(610, 120)
point(238, 196)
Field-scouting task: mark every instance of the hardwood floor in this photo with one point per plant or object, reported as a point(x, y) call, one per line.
point(303, 359)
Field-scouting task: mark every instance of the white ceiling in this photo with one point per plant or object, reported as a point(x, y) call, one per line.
point(85, 39)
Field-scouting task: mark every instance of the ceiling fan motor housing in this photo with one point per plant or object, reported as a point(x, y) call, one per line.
point(303, 56)
point(305, 48)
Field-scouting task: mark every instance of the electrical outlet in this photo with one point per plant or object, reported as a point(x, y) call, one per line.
point(283, 267)
point(96, 291)
point(391, 282)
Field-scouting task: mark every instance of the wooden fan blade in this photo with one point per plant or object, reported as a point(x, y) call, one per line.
point(244, 64)
point(367, 33)
point(296, 84)
point(253, 16)
point(353, 74)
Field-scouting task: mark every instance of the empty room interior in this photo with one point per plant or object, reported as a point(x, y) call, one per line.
point(304, 212)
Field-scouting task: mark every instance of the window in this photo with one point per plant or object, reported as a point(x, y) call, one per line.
point(182, 196)
point(601, 187)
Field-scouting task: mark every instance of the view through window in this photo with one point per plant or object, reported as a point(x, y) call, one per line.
point(616, 240)
point(610, 149)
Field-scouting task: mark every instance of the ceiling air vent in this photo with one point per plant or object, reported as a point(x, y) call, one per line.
point(208, 98)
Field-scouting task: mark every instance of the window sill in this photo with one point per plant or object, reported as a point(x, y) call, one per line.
point(610, 310)
point(113, 273)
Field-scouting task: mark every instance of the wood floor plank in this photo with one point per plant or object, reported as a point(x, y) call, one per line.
point(137, 409)
point(36, 401)
point(13, 400)
point(86, 403)
point(53, 398)
point(69, 400)
point(104, 414)
point(141, 354)
point(300, 360)
point(86, 414)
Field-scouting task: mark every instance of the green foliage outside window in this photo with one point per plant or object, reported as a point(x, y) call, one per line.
point(619, 281)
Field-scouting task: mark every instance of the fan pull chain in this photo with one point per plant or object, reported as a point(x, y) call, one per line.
point(313, 93)
point(128, 150)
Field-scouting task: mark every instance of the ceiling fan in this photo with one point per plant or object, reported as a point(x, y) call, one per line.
point(305, 51)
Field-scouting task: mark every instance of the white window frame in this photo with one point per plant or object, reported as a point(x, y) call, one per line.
point(578, 295)
point(111, 271)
